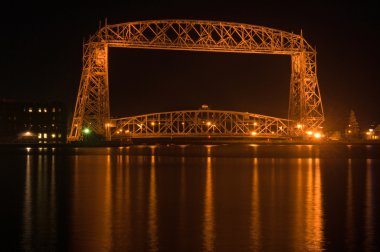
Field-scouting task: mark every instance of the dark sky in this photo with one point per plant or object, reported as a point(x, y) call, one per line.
point(42, 58)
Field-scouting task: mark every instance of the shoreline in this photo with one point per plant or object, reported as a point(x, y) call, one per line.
point(176, 142)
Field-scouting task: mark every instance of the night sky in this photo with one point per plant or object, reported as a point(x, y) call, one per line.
point(42, 58)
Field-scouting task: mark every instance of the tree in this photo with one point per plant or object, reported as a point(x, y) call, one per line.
point(352, 129)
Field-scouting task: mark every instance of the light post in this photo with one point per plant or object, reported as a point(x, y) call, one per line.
point(86, 133)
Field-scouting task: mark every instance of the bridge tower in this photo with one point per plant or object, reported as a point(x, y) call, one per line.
point(92, 105)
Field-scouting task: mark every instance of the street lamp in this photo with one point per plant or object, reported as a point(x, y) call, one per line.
point(86, 131)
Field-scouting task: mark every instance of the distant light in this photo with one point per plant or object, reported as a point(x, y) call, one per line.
point(86, 131)
point(152, 123)
point(368, 133)
point(28, 149)
point(53, 135)
point(127, 131)
point(349, 131)
point(39, 110)
point(27, 133)
point(309, 133)
point(253, 133)
point(208, 123)
point(299, 126)
point(370, 130)
point(45, 110)
point(317, 135)
point(30, 110)
point(255, 123)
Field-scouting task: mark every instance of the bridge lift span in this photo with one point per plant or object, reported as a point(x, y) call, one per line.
point(305, 112)
point(200, 123)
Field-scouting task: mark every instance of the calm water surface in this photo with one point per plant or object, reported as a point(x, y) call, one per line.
point(191, 198)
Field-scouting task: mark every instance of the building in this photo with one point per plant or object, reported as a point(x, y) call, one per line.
point(32, 122)
point(373, 133)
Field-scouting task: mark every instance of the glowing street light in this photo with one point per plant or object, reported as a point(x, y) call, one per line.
point(27, 133)
point(86, 131)
point(317, 135)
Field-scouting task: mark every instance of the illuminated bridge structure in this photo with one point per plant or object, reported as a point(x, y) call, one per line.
point(200, 123)
point(92, 110)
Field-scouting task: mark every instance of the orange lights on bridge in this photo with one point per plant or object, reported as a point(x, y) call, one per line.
point(316, 135)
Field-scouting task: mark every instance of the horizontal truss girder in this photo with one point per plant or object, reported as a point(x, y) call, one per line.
point(200, 123)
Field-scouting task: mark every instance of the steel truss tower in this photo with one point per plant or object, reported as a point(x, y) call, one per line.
point(92, 104)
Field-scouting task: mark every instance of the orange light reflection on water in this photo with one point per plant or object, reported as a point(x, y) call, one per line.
point(209, 219)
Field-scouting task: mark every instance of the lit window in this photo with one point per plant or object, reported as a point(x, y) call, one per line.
point(59, 135)
point(39, 135)
point(45, 110)
point(53, 125)
point(30, 110)
point(45, 135)
point(53, 110)
point(39, 110)
point(53, 135)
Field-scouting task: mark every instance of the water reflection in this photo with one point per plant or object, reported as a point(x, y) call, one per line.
point(91, 204)
point(39, 206)
point(28, 202)
point(152, 213)
point(255, 209)
point(182, 203)
point(314, 207)
point(350, 236)
point(117, 201)
point(369, 207)
point(208, 219)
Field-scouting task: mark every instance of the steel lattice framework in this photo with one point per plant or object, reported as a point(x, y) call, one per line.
point(92, 105)
point(200, 123)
